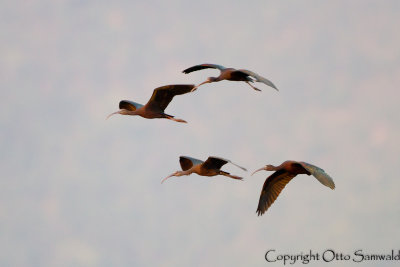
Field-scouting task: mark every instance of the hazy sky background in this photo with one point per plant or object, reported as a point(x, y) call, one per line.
point(79, 190)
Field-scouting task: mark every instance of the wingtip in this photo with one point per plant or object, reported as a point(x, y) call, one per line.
point(331, 184)
point(273, 86)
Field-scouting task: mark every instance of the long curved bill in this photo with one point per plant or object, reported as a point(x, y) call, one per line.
point(117, 112)
point(167, 178)
point(197, 86)
point(258, 170)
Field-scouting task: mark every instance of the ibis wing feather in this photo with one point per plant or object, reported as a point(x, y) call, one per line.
point(320, 174)
point(259, 78)
point(129, 105)
point(219, 162)
point(188, 162)
point(273, 186)
point(214, 163)
point(203, 66)
point(163, 95)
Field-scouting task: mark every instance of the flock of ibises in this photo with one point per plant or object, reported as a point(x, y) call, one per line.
point(273, 185)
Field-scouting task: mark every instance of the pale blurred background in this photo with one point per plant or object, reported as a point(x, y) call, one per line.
point(79, 190)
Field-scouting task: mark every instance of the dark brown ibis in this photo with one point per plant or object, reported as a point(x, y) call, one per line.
point(231, 74)
point(210, 167)
point(283, 174)
point(154, 108)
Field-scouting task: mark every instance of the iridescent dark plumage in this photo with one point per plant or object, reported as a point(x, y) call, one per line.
point(156, 105)
point(231, 74)
point(210, 167)
point(283, 174)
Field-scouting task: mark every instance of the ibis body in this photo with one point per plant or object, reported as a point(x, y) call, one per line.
point(230, 74)
point(210, 167)
point(154, 108)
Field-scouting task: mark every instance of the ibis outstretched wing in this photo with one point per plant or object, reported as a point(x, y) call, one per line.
point(203, 66)
point(273, 186)
point(163, 95)
point(320, 174)
point(259, 78)
point(129, 105)
point(188, 162)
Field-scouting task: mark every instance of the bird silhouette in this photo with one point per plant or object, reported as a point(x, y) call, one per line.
point(154, 108)
point(230, 74)
point(283, 174)
point(210, 167)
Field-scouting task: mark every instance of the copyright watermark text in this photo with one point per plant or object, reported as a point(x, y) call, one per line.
point(330, 255)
